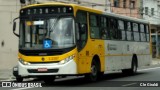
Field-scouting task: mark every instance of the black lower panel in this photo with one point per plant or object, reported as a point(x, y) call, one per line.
point(48, 71)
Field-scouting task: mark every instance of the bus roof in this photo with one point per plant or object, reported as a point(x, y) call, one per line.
point(93, 11)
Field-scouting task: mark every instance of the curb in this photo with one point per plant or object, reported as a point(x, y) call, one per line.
point(8, 79)
point(155, 62)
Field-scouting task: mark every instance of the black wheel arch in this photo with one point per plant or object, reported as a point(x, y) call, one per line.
point(97, 60)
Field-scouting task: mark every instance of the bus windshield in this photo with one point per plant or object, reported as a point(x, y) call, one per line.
point(53, 33)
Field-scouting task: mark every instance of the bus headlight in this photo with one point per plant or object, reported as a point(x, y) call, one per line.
point(66, 59)
point(24, 62)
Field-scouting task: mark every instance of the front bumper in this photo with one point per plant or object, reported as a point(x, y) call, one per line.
point(52, 69)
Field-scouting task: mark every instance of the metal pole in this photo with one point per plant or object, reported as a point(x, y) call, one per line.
point(157, 46)
point(107, 6)
point(110, 6)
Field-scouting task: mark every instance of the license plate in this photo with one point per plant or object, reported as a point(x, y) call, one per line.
point(42, 69)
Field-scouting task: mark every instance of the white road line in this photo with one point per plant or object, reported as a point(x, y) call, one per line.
point(149, 69)
point(129, 84)
point(22, 88)
point(140, 70)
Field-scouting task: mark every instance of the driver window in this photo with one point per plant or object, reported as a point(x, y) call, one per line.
point(81, 20)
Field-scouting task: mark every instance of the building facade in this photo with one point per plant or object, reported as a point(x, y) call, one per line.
point(151, 12)
point(8, 42)
point(126, 7)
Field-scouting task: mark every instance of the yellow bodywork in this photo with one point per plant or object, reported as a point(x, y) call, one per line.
point(93, 47)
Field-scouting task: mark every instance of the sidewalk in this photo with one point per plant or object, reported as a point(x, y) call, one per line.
point(6, 74)
point(155, 61)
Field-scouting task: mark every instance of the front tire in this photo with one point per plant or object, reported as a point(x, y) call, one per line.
point(48, 80)
point(94, 72)
point(19, 79)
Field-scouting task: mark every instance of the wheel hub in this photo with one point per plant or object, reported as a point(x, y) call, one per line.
point(134, 68)
point(94, 70)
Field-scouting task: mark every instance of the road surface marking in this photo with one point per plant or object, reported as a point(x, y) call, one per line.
point(22, 88)
point(149, 69)
point(129, 84)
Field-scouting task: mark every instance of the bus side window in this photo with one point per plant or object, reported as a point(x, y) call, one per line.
point(121, 30)
point(104, 33)
point(94, 26)
point(104, 28)
point(113, 29)
point(142, 33)
point(136, 32)
point(129, 31)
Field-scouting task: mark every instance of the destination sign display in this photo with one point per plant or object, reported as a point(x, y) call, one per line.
point(38, 10)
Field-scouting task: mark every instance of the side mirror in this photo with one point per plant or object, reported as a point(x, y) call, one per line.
point(77, 31)
point(22, 1)
point(14, 27)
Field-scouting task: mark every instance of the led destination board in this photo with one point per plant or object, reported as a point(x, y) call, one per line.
point(47, 10)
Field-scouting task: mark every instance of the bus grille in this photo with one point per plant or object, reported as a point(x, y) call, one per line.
point(41, 52)
point(44, 62)
point(45, 52)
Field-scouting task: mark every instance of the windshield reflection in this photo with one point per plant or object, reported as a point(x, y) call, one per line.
point(60, 32)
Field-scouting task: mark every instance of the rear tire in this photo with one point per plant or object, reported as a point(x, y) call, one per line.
point(100, 75)
point(133, 69)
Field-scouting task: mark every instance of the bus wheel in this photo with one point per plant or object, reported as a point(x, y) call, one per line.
point(133, 70)
point(100, 75)
point(94, 72)
point(19, 79)
point(49, 80)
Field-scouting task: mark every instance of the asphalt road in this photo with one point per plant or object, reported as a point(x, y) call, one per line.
point(147, 78)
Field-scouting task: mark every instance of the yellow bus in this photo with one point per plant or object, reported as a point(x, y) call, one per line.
point(57, 39)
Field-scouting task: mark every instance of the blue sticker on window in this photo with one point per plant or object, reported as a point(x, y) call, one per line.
point(47, 44)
